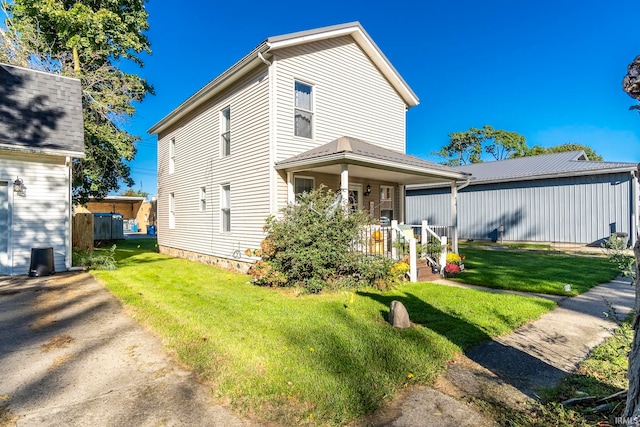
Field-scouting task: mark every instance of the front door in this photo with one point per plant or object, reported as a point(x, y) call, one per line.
point(4, 227)
point(355, 197)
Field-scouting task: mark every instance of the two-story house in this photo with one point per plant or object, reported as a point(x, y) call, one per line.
point(323, 106)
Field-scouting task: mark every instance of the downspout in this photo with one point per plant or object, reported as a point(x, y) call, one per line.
point(273, 180)
point(633, 233)
point(454, 212)
point(67, 259)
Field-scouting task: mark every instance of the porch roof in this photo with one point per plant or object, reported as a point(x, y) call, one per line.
point(370, 161)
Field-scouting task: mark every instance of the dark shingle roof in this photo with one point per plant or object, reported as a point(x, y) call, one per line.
point(40, 112)
point(546, 165)
point(356, 147)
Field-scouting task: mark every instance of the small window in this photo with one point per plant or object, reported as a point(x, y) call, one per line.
point(225, 132)
point(172, 210)
point(386, 202)
point(302, 185)
point(203, 199)
point(225, 207)
point(172, 155)
point(303, 110)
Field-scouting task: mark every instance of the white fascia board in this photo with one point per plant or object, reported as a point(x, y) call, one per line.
point(367, 45)
point(45, 151)
point(355, 159)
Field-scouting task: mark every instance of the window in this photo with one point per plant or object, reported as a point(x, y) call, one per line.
point(386, 202)
point(225, 207)
point(302, 185)
point(225, 132)
point(172, 210)
point(304, 110)
point(203, 199)
point(172, 155)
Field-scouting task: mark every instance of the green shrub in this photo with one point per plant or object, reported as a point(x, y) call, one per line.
point(95, 260)
point(309, 245)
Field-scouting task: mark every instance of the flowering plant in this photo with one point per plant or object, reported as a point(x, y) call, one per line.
point(453, 258)
point(452, 269)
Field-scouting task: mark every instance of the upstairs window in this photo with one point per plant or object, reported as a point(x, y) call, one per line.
point(172, 155)
point(303, 110)
point(225, 132)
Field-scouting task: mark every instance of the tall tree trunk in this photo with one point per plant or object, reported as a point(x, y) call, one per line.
point(632, 410)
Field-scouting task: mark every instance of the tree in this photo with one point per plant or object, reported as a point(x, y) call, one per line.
point(631, 85)
point(87, 39)
point(134, 193)
point(463, 148)
point(537, 150)
point(467, 147)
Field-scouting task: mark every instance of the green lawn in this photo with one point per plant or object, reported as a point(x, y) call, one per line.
point(532, 271)
point(322, 359)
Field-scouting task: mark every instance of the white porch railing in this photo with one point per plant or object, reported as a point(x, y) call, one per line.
point(399, 240)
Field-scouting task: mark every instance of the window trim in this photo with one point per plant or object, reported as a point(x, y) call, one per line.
point(202, 199)
point(311, 112)
point(172, 156)
point(172, 211)
point(225, 208)
point(225, 132)
point(302, 177)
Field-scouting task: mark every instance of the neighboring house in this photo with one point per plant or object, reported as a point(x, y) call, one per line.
point(323, 106)
point(552, 198)
point(41, 131)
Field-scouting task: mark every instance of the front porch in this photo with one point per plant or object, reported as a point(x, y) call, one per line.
point(373, 179)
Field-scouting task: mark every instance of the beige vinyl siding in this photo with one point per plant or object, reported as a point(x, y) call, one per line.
point(332, 183)
point(198, 163)
point(351, 97)
point(41, 218)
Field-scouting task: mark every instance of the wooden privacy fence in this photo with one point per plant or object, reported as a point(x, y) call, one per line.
point(83, 231)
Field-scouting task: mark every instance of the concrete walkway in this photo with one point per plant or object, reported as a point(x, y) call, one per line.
point(70, 356)
point(515, 367)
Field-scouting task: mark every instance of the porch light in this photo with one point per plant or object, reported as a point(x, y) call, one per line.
point(19, 187)
point(368, 190)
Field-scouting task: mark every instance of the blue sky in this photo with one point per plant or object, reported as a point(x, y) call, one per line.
point(549, 70)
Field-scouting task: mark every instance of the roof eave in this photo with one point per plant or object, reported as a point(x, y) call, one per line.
point(211, 89)
point(43, 151)
point(356, 159)
point(355, 30)
point(564, 174)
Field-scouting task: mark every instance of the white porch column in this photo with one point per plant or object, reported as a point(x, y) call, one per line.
point(344, 186)
point(454, 217)
point(633, 233)
point(291, 196)
point(402, 203)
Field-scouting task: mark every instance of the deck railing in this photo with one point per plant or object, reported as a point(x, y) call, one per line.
point(398, 241)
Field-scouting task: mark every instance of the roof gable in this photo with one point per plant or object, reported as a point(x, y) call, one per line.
point(263, 52)
point(40, 112)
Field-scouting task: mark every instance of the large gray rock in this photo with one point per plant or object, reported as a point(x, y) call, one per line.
point(398, 316)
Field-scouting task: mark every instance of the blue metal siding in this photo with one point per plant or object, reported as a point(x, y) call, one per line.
point(583, 209)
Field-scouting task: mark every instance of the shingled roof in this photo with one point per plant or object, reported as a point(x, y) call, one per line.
point(358, 152)
point(40, 112)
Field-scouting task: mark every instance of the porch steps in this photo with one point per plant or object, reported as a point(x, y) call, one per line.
point(425, 274)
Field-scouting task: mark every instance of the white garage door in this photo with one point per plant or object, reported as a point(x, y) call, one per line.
point(4, 227)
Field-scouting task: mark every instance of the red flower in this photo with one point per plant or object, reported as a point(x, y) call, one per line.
point(452, 268)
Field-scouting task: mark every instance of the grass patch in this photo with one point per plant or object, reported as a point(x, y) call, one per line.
point(534, 271)
point(316, 359)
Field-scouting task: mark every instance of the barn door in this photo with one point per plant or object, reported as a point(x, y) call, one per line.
point(4, 228)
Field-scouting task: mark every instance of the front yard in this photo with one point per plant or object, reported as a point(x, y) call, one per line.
point(318, 359)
